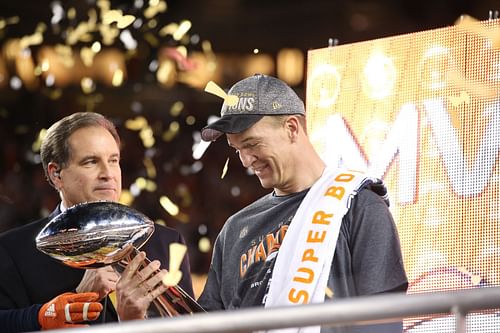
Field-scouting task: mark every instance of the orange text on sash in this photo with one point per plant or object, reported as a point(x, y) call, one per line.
point(305, 274)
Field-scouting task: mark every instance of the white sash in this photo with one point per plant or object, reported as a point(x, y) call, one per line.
point(301, 271)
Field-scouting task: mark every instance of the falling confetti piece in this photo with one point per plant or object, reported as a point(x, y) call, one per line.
point(35, 147)
point(174, 275)
point(329, 292)
point(87, 55)
point(182, 30)
point(204, 244)
point(169, 206)
point(224, 170)
point(214, 89)
point(154, 8)
point(150, 167)
point(136, 124)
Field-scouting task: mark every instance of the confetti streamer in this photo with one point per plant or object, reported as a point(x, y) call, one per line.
point(224, 170)
point(214, 89)
point(174, 275)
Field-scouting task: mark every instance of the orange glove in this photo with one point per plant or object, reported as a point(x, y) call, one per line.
point(69, 308)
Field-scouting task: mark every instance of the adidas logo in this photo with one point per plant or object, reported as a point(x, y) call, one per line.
point(51, 311)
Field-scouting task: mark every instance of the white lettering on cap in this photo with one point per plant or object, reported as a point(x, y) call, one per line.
point(245, 104)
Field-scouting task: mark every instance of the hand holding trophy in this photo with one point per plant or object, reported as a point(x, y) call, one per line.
point(96, 234)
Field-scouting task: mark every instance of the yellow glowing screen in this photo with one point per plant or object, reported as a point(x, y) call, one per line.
point(422, 111)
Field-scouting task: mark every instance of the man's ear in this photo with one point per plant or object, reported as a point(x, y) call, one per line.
point(292, 125)
point(54, 174)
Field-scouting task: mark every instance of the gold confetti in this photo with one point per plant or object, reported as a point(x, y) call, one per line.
point(146, 135)
point(126, 198)
point(54, 94)
point(115, 15)
point(152, 24)
point(74, 35)
point(169, 206)
point(206, 46)
point(35, 147)
point(190, 120)
point(92, 22)
point(181, 217)
point(177, 252)
point(87, 55)
point(151, 39)
point(176, 108)
point(7, 21)
point(166, 73)
point(108, 34)
point(34, 39)
point(140, 182)
point(183, 191)
point(224, 170)
point(150, 167)
point(151, 186)
point(87, 85)
point(117, 78)
point(154, 8)
point(169, 29)
point(71, 13)
point(182, 29)
point(161, 222)
point(213, 88)
point(329, 292)
point(204, 245)
point(168, 136)
point(136, 124)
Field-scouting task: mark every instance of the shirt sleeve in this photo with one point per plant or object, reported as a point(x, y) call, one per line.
point(20, 320)
point(210, 299)
point(12, 292)
point(375, 247)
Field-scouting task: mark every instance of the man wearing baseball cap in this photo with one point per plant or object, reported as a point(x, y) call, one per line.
point(341, 240)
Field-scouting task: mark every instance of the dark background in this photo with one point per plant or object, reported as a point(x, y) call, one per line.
point(235, 28)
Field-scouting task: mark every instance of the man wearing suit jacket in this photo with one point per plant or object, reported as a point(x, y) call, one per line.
point(81, 159)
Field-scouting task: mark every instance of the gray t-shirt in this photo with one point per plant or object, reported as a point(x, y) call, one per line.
point(367, 257)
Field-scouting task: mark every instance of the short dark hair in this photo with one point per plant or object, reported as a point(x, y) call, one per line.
point(55, 147)
point(280, 119)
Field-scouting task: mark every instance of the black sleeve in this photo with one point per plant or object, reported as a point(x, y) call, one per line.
point(375, 247)
point(186, 283)
point(20, 320)
point(378, 263)
point(12, 292)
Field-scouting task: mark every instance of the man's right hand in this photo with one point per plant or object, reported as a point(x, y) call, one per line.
point(138, 287)
point(68, 309)
point(101, 280)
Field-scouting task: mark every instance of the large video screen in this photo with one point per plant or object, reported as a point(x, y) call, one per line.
point(422, 111)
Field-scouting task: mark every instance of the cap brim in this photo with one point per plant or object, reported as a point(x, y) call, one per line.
point(234, 123)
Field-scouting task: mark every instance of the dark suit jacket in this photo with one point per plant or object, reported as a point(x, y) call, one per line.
point(29, 276)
